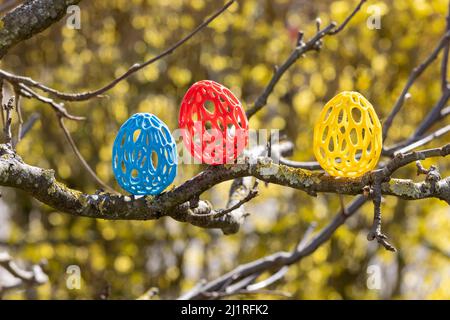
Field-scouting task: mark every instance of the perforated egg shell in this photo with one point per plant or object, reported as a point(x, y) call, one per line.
point(347, 136)
point(144, 157)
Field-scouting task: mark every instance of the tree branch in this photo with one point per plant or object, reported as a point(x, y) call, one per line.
point(57, 107)
point(413, 143)
point(349, 17)
point(182, 204)
point(275, 261)
point(8, 4)
point(434, 115)
point(133, 69)
point(313, 44)
point(412, 78)
point(444, 63)
point(309, 165)
point(35, 276)
point(81, 158)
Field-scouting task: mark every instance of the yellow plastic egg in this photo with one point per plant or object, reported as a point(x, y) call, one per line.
point(347, 136)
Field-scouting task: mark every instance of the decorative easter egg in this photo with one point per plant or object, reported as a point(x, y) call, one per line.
point(144, 157)
point(213, 122)
point(347, 136)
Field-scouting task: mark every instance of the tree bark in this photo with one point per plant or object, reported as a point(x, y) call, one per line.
point(28, 19)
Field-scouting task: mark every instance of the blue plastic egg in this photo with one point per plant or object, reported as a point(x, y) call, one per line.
point(144, 157)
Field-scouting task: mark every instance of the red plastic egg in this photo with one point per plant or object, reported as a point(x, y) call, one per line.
point(213, 122)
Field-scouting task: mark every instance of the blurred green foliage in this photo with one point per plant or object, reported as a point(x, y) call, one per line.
point(239, 49)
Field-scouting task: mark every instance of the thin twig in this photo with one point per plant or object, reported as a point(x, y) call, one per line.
point(411, 144)
point(175, 203)
point(432, 174)
point(432, 116)
point(282, 271)
point(7, 128)
point(375, 231)
point(19, 115)
point(1, 102)
point(8, 5)
point(313, 44)
point(386, 172)
point(342, 203)
point(269, 281)
point(261, 101)
point(34, 277)
point(274, 261)
point(149, 294)
point(58, 107)
point(428, 244)
point(253, 192)
point(401, 160)
point(309, 165)
point(444, 64)
point(444, 112)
